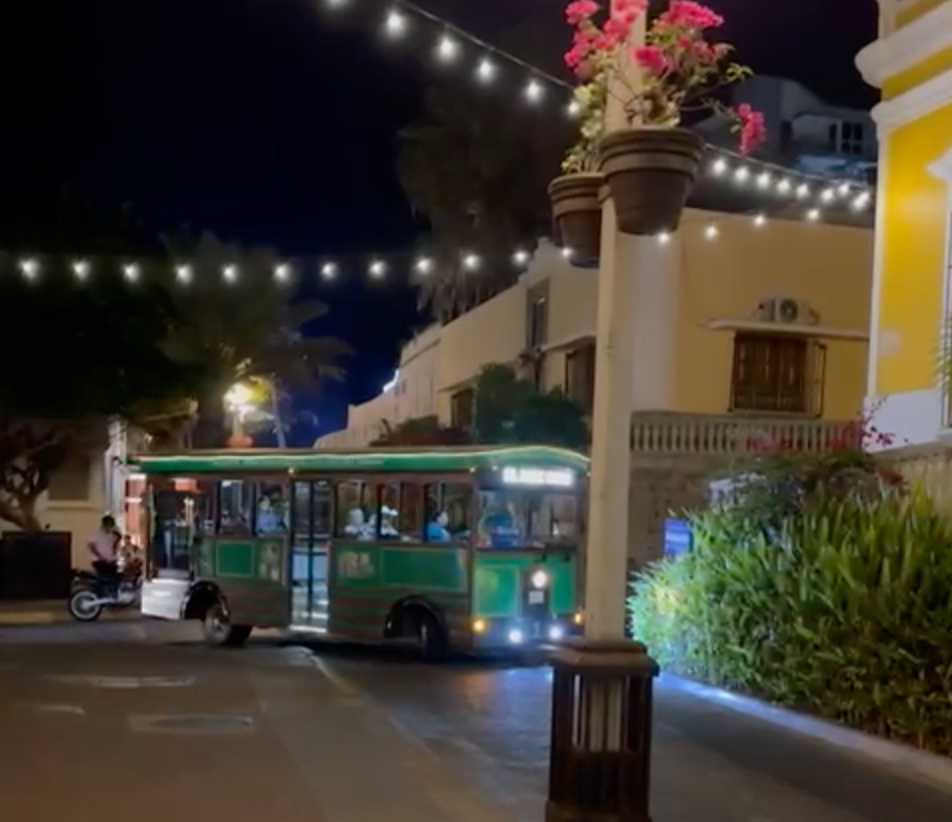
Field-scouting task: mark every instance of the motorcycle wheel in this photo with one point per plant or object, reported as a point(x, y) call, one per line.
point(84, 605)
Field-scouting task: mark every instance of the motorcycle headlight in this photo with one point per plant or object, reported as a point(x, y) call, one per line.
point(540, 579)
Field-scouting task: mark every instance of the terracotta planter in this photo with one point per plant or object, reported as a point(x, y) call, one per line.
point(578, 213)
point(650, 173)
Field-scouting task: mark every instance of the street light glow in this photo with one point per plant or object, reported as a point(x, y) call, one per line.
point(486, 70)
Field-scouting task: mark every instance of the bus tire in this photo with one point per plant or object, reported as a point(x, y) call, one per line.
point(432, 637)
point(218, 630)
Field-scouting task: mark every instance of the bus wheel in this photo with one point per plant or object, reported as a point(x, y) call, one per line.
point(218, 630)
point(432, 638)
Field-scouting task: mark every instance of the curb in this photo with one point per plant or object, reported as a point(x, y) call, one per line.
point(50, 616)
point(928, 768)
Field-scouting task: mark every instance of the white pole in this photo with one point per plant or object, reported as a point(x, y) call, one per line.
point(607, 551)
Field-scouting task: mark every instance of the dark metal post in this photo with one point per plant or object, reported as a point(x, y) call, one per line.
point(600, 759)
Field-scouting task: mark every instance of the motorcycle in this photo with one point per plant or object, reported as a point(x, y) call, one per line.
point(92, 593)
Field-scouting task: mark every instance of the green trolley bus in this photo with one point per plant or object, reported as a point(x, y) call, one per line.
point(463, 549)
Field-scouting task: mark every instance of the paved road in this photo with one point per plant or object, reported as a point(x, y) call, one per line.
point(710, 763)
point(117, 728)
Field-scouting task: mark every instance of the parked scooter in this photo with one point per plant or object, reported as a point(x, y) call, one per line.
point(92, 593)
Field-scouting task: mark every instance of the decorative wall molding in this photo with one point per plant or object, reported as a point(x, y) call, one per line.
point(894, 53)
point(927, 97)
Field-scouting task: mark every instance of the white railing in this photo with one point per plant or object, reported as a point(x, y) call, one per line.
point(658, 432)
point(927, 466)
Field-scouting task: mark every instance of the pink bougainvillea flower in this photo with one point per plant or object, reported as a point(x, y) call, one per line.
point(580, 10)
point(690, 15)
point(651, 58)
point(627, 11)
point(752, 128)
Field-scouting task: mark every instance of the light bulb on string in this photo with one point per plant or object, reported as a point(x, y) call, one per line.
point(282, 272)
point(828, 195)
point(183, 273)
point(784, 186)
point(664, 238)
point(395, 24)
point(760, 220)
point(573, 109)
point(568, 253)
point(471, 262)
point(813, 215)
point(534, 91)
point(448, 49)
point(337, 4)
point(230, 273)
point(763, 181)
point(844, 189)
point(30, 268)
point(742, 174)
point(712, 232)
point(719, 166)
point(520, 257)
point(131, 272)
point(861, 201)
point(329, 270)
point(486, 70)
point(424, 265)
point(803, 191)
point(81, 269)
point(377, 269)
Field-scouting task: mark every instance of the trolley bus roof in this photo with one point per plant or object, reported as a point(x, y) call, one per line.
point(396, 460)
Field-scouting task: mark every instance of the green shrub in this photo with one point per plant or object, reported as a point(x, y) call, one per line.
point(846, 612)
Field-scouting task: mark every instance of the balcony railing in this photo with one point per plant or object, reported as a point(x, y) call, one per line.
point(671, 433)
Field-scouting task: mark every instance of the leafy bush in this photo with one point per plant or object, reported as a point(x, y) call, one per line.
point(846, 612)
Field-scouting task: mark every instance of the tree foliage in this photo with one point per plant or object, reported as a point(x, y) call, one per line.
point(421, 432)
point(477, 171)
point(249, 330)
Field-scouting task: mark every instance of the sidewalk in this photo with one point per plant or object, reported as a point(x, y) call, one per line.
point(51, 612)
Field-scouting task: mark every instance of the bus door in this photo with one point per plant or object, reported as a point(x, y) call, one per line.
point(311, 523)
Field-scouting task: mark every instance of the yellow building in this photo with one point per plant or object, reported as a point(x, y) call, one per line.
point(911, 63)
point(744, 332)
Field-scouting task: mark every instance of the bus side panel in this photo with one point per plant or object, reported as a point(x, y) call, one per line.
point(367, 579)
point(252, 575)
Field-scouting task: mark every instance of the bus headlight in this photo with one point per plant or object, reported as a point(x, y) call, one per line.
point(579, 618)
point(540, 579)
point(556, 633)
point(479, 626)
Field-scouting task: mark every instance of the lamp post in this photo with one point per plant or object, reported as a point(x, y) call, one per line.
point(238, 402)
point(602, 686)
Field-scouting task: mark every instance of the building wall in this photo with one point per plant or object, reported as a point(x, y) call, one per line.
point(828, 267)
point(912, 64)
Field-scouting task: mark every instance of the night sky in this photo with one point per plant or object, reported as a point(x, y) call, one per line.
point(270, 122)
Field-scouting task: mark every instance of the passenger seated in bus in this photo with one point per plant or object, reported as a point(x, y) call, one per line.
point(497, 528)
point(357, 527)
point(436, 530)
point(270, 520)
point(387, 528)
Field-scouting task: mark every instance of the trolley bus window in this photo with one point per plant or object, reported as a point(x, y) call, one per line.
point(511, 518)
point(180, 520)
point(448, 512)
point(235, 508)
point(273, 509)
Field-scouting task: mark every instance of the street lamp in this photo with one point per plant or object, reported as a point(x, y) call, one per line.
point(239, 402)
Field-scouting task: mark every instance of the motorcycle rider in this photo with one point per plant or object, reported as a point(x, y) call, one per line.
point(104, 549)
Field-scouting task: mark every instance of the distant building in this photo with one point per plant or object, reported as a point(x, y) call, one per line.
point(803, 131)
point(753, 334)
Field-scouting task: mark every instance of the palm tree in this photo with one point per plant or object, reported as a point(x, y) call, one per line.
point(477, 171)
point(248, 329)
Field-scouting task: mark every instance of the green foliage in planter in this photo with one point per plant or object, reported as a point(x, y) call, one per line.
point(846, 613)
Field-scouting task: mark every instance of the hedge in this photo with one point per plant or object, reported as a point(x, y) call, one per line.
point(844, 612)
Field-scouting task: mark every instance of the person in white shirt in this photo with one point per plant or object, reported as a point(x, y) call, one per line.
point(104, 548)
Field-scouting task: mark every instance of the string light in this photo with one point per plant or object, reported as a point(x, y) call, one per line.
point(828, 195)
point(486, 70)
point(81, 269)
point(568, 253)
point(448, 49)
point(230, 273)
point(30, 268)
point(719, 166)
point(862, 200)
point(377, 269)
point(131, 272)
point(844, 189)
point(534, 91)
point(337, 4)
point(573, 109)
point(742, 174)
point(813, 215)
point(183, 273)
point(763, 181)
point(784, 186)
point(664, 238)
point(396, 23)
point(712, 232)
point(520, 257)
point(282, 272)
point(803, 191)
point(471, 262)
point(329, 271)
point(424, 265)
point(760, 220)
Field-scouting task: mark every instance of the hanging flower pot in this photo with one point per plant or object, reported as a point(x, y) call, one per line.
point(650, 173)
point(577, 213)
